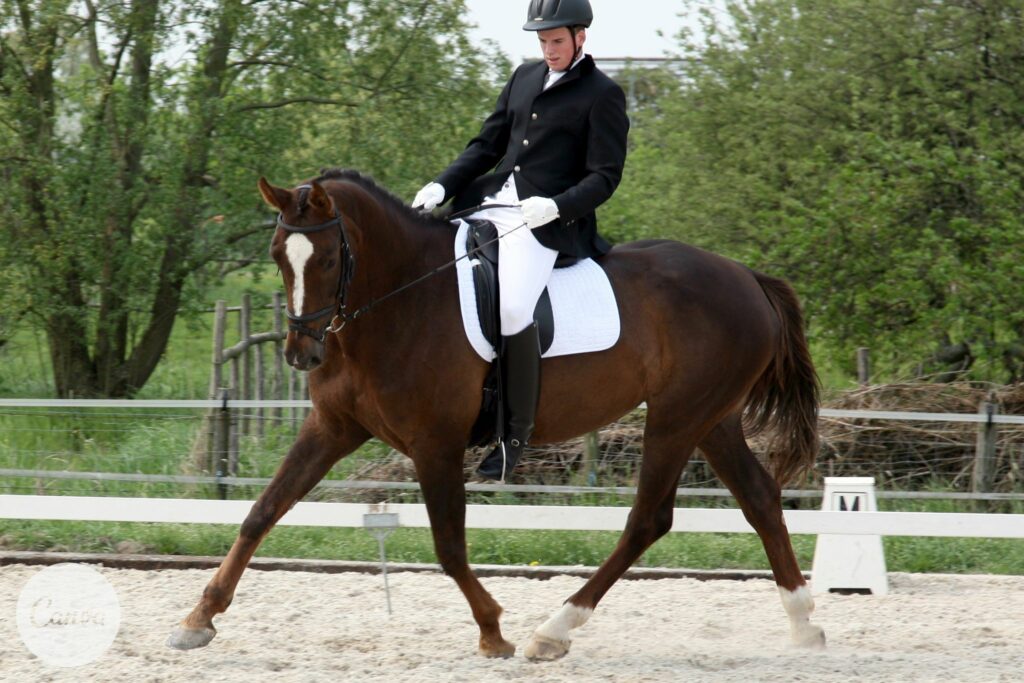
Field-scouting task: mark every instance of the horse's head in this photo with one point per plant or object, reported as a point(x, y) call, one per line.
point(310, 248)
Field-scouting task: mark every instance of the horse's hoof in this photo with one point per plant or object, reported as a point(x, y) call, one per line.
point(184, 638)
point(503, 649)
point(542, 649)
point(810, 637)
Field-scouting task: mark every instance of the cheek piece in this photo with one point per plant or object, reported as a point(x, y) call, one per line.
point(295, 322)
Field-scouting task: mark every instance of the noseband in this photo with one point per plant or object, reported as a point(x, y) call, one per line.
point(336, 310)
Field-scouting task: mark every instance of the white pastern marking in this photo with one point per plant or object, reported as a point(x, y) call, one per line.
point(564, 620)
point(798, 605)
point(299, 250)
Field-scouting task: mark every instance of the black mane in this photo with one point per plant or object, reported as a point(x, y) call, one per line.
point(383, 195)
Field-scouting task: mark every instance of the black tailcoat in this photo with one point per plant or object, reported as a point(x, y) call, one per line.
point(567, 143)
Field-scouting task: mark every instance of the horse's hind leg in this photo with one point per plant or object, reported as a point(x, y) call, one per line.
point(315, 451)
point(760, 499)
point(444, 493)
point(667, 448)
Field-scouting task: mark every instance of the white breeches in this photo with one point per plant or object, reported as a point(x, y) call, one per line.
point(524, 264)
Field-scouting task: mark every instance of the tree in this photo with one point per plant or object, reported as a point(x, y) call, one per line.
point(872, 153)
point(131, 134)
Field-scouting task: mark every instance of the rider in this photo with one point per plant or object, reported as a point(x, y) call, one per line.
point(554, 149)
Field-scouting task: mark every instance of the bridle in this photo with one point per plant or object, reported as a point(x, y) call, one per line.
point(338, 317)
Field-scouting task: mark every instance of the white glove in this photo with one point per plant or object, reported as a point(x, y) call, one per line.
point(538, 211)
point(429, 197)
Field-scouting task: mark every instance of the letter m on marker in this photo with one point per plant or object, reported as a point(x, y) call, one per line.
point(849, 508)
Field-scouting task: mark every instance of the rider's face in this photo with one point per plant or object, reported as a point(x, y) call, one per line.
point(559, 48)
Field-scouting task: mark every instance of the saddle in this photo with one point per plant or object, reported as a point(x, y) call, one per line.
point(481, 242)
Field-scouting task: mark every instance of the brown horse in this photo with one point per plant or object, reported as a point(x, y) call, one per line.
point(710, 346)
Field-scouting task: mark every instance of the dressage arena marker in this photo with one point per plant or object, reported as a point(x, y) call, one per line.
point(845, 562)
point(381, 524)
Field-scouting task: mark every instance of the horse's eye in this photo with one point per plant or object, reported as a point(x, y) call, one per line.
point(330, 264)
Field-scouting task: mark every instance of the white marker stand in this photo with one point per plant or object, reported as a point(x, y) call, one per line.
point(849, 562)
point(381, 525)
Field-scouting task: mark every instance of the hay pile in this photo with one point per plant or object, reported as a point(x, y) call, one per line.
point(899, 454)
point(919, 454)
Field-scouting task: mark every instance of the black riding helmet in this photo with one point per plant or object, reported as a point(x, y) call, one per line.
point(545, 14)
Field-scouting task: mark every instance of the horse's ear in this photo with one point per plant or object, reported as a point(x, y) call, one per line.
point(318, 197)
point(277, 197)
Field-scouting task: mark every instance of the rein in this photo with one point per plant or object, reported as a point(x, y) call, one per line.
point(348, 268)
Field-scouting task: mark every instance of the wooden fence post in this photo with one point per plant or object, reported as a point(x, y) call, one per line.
point(235, 442)
point(863, 366)
point(985, 454)
point(222, 441)
point(236, 392)
point(216, 381)
point(244, 332)
point(260, 412)
point(591, 456)
point(220, 314)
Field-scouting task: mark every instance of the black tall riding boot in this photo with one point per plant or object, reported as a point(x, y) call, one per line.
point(521, 377)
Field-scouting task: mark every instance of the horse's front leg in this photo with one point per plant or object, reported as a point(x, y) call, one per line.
point(445, 495)
point(318, 446)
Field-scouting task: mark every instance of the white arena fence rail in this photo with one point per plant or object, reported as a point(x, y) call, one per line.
point(532, 517)
point(227, 404)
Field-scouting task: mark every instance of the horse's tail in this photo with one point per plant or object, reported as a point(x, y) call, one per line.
point(785, 398)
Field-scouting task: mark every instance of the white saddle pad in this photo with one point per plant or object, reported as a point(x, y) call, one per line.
point(582, 300)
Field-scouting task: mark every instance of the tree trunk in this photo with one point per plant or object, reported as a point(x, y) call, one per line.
point(73, 369)
point(127, 146)
point(205, 107)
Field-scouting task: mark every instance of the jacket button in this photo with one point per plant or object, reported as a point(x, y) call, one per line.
point(534, 116)
point(517, 169)
point(526, 143)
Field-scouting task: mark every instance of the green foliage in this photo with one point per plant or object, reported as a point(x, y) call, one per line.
point(871, 153)
point(132, 135)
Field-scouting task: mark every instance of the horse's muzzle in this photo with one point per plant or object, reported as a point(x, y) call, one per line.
point(303, 353)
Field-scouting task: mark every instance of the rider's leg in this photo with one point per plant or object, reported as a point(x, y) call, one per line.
point(524, 268)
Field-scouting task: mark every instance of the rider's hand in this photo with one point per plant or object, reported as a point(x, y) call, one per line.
point(429, 197)
point(538, 211)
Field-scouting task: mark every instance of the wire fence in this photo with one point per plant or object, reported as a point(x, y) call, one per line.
point(919, 436)
point(162, 448)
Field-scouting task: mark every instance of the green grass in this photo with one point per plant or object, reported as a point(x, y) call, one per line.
point(170, 442)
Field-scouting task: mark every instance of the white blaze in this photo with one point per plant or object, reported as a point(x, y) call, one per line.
point(299, 249)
